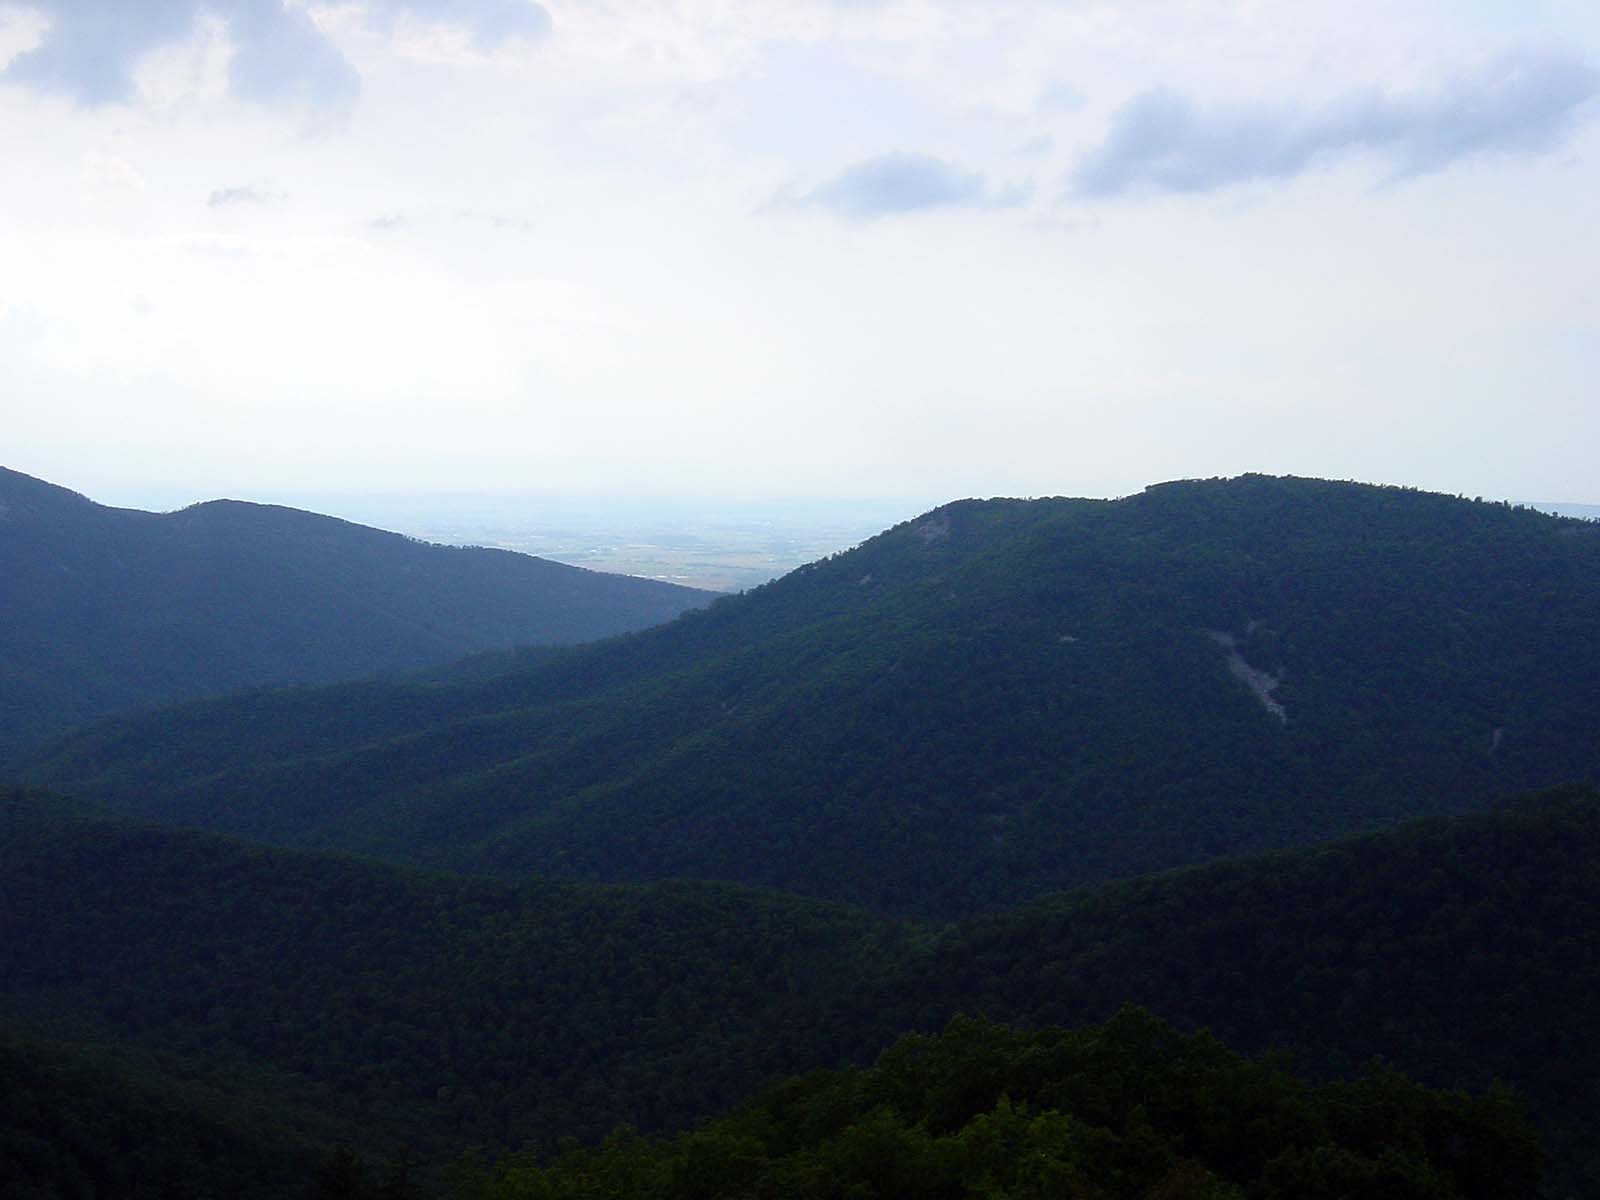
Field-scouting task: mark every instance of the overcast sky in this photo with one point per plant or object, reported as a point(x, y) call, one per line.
point(799, 248)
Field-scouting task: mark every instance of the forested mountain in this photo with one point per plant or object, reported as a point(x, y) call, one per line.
point(998, 699)
point(415, 1010)
point(84, 1125)
point(409, 1009)
point(104, 609)
point(1460, 950)
point(1127, 1111)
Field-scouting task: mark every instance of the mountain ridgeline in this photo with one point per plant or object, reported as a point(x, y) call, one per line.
point(998, 699)
point(103, 609)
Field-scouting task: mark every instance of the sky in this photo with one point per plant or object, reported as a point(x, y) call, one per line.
point(821, 248)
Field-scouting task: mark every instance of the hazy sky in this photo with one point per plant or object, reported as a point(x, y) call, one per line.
point(818, 248)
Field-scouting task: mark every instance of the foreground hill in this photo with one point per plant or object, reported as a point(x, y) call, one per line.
point(996, 700)
point(411, 1009)
point(89, 1125)
point(1127, 1111)
point(106, 608)
point(1460, 950)
point(406, 1009)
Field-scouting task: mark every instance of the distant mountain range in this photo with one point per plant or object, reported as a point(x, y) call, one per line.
point(995, 700)
point(104, 609)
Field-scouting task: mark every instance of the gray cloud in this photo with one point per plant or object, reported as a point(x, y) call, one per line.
point(1161, 142)
point(280, 55)
point(903, 183)
point(224, 197)
point(92, 47)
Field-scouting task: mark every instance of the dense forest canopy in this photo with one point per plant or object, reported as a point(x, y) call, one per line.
point(996, 700)
point(1130, 1110)
point(107, 608)
point(412, 1013)
point(1109, 711)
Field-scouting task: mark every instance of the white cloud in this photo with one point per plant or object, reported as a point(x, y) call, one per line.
point(650, 321)
point(246, 195)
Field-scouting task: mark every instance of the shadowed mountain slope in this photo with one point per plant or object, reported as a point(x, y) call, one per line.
point(414, 1009)
point(76, 1122)
point(999, 699)
point(1130, 1110)
point(430, 1011)
point(1459, 949)
point(104, 608)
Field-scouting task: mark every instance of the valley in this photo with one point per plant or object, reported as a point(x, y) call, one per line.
point(835, 600)
point(903, 726)
point(1256, 755)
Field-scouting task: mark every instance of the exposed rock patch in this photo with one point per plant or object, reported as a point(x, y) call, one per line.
point(935, 529)
point(1260, 682)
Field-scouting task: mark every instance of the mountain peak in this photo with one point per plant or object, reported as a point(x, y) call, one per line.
point(23, 497)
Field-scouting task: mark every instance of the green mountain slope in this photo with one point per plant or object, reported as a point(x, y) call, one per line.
point(1127, 1111)
point(104, 608)
point(1461, 950)
point(94, 1125)
point(410, 1009)
point(413, 1009)
point(999, 699)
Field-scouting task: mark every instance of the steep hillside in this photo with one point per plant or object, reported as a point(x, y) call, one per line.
point(415, 1010)
point(104, 609)
point(1126, 1111)
point(1460, 950)
point(411, 1010)
point(999, 699)
point(82, 1124)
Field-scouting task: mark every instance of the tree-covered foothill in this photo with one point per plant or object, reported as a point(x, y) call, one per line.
point(1462, 950)
point(409, 1012)
point(79, 1125)
point(105, 609)
point(1000, 699)
point(1130, 1110)
point(418, 1011)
